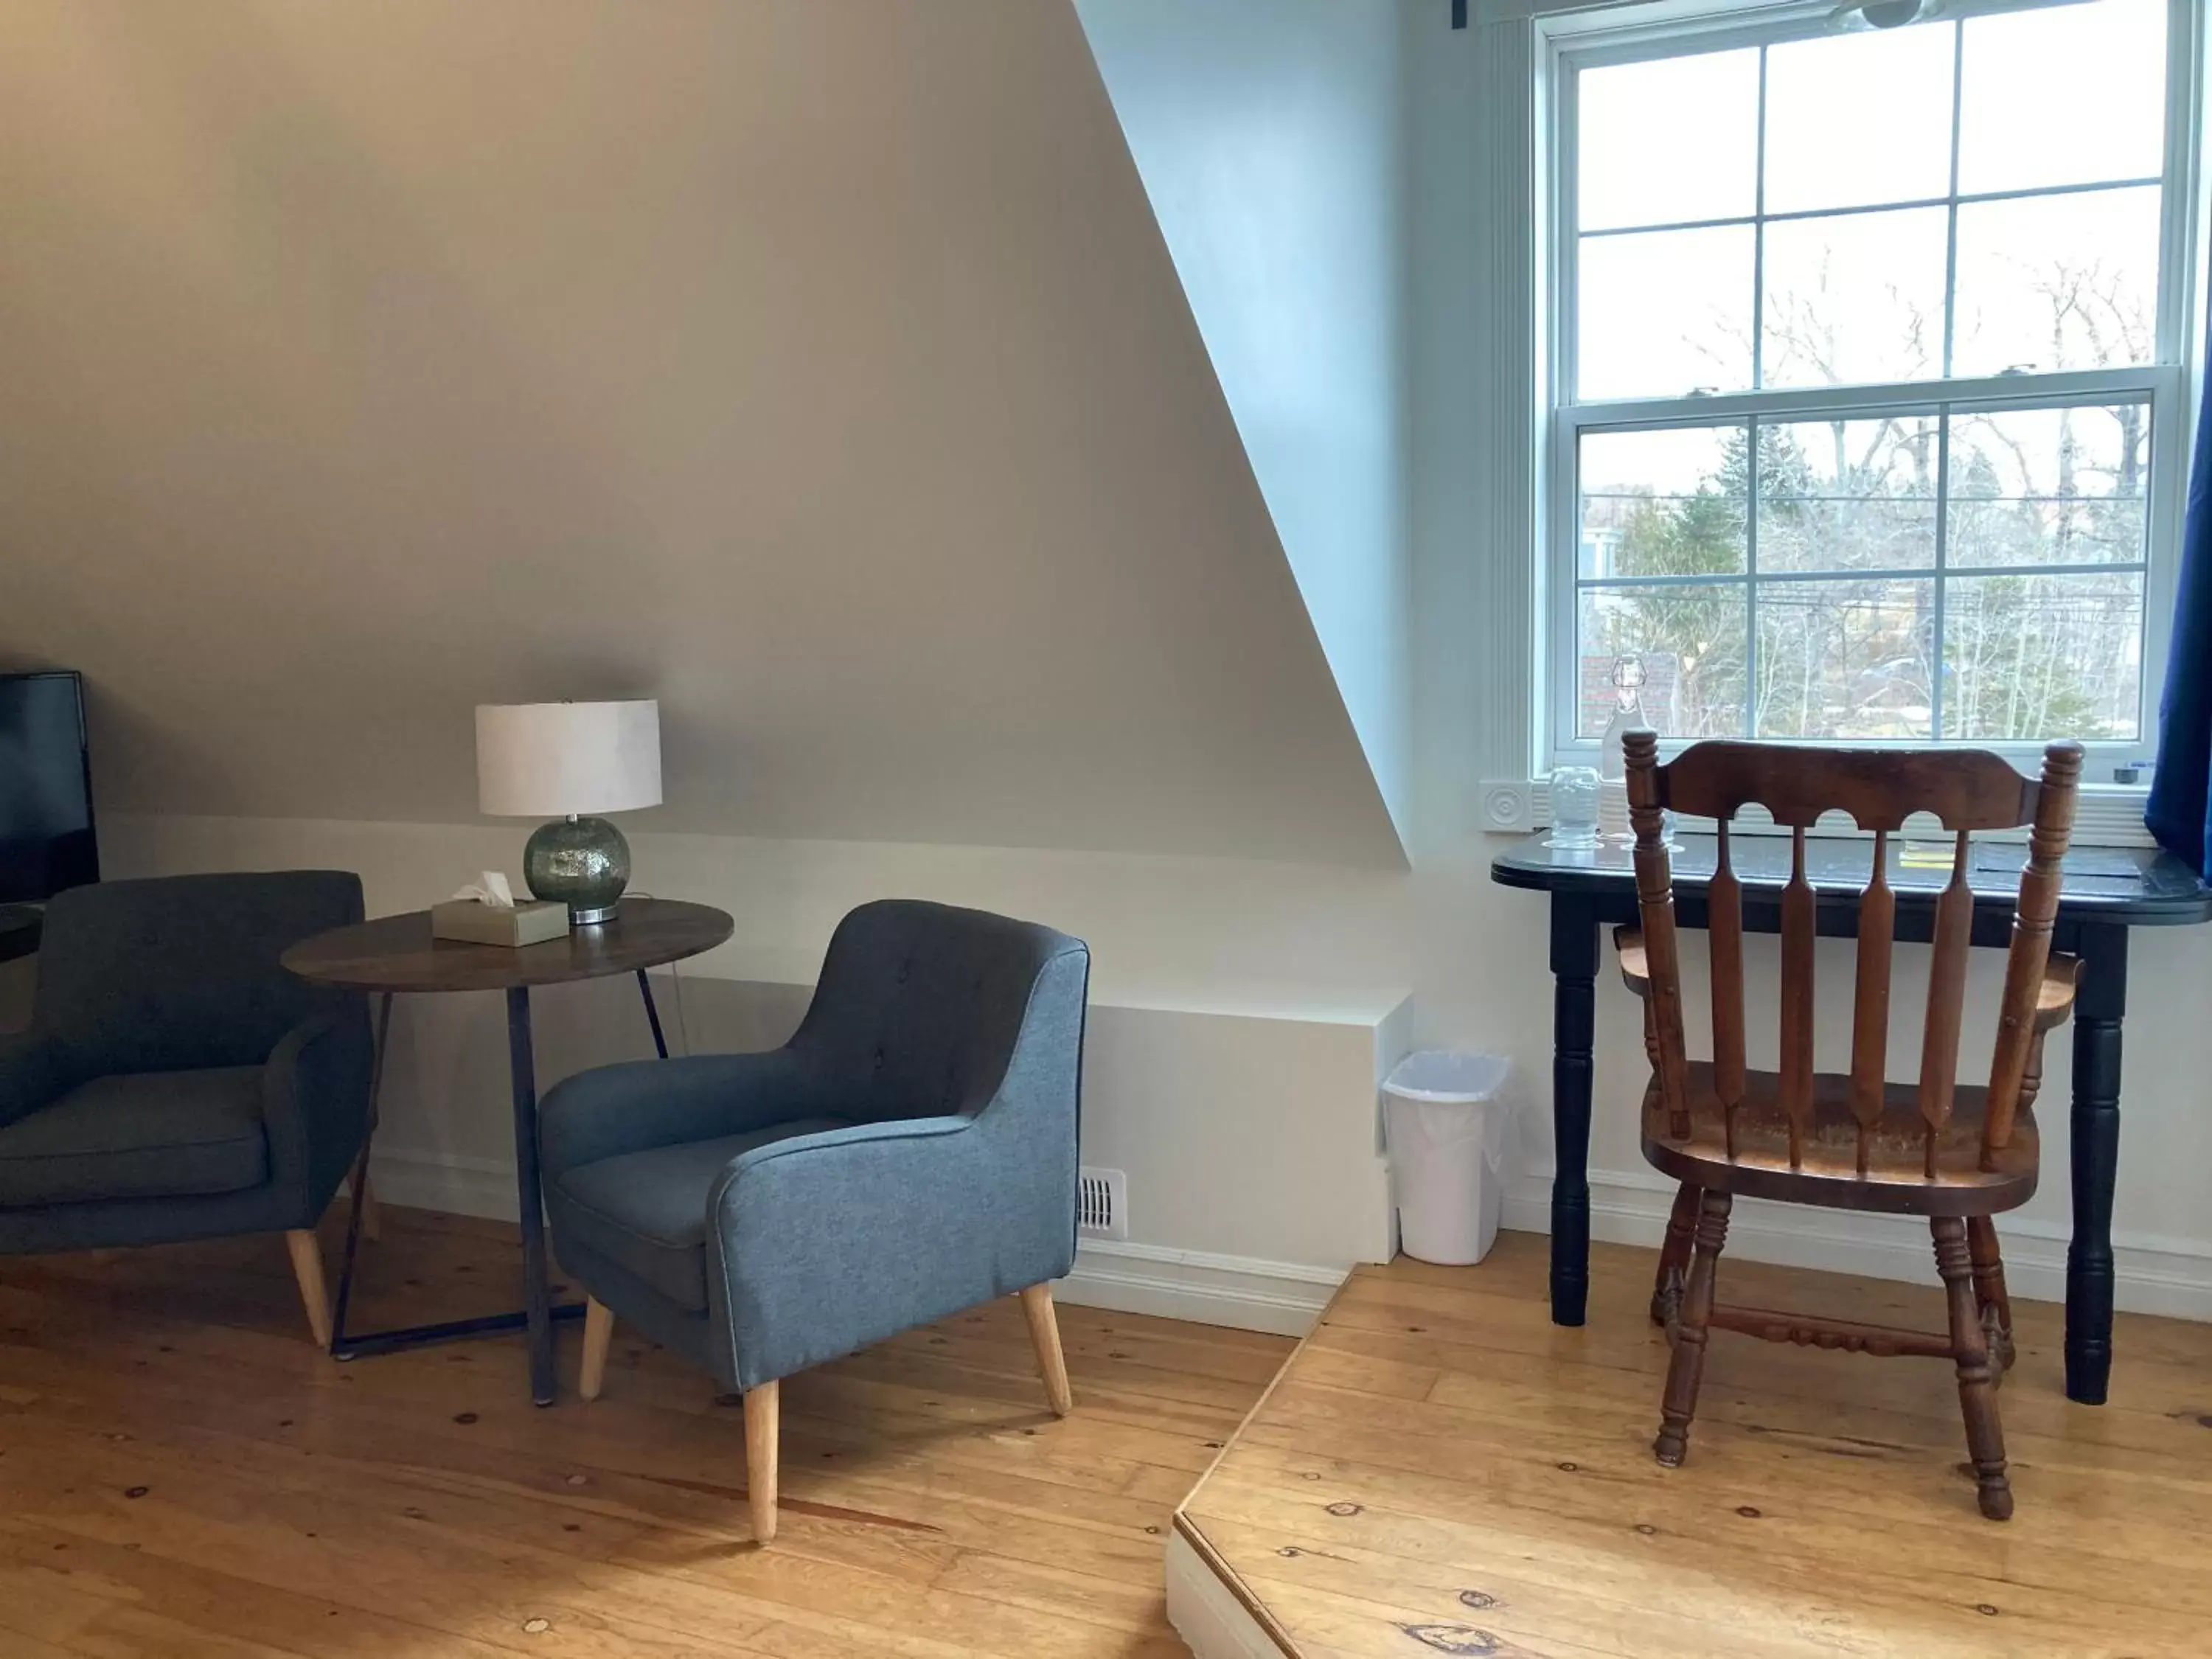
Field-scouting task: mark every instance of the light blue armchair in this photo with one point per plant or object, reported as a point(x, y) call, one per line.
point(911, 1151)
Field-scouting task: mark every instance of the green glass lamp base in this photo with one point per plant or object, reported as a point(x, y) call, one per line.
point(583, 863)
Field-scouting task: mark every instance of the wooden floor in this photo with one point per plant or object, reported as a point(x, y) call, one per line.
point(1440, 1470)
point(182, 1474)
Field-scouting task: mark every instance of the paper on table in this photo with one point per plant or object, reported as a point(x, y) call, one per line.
point(491, 888)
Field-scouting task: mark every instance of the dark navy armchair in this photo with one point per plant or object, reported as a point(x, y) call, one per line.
point(176, 1082)
point(911, 1151)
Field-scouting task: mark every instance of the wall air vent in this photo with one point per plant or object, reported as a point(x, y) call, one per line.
point(1102, 1204)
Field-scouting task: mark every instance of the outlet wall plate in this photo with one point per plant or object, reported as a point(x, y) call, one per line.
point(1505, 805)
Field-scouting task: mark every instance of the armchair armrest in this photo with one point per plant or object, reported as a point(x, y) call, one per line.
point(641, 1104)
point(823, 1244)
point(33, 1074)
point(1635, 970)
point(315, 1104)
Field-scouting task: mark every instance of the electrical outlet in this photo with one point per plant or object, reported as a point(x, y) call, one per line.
point(1102, 1204)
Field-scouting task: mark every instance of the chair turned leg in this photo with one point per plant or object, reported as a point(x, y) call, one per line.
point(1690, 1331)
point(1990, 1298)
point(1977, 1391)
point(1675, 1257)
point(307, 1269)
point(761, 1415)
point(598, 1332)
point(1044, 1336)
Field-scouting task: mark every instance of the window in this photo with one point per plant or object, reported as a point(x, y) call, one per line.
point(1866, 385)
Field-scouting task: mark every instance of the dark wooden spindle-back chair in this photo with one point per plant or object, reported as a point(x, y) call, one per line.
point(1958, 1155)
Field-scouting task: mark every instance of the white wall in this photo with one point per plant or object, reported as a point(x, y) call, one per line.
point(1234, 1086)
point(1245, 1111)
point(1267, 133)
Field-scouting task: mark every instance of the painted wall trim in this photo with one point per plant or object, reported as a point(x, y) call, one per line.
point(1283, 1298)
point(1206, 1612)
point(2154, 1274)
point(445, 1181)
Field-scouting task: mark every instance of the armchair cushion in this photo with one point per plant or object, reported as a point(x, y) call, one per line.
point(178, 972)
point(147, 1134)
point(647, 1210)
point(33, 1074)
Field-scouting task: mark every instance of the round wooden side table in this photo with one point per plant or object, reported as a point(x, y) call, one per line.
point(395, 954)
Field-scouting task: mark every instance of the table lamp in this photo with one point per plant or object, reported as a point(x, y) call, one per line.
point(570, 762)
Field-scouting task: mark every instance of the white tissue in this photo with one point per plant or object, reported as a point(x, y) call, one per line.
point(491, 889)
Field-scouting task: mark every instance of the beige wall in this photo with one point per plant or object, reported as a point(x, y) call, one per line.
point(813, 365)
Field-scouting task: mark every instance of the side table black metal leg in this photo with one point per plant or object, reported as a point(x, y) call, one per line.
point(529, 1192)
point(1574, 1017)
point(652, 1013)
point(358, 1181)
point(2096, 1145)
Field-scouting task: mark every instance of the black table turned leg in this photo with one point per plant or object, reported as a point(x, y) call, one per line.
point(537, 1310)
point(359, 1179)
point(2096, 1144)
point(1574, 1020)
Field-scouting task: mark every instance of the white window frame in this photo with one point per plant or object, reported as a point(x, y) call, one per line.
point(1567, 44)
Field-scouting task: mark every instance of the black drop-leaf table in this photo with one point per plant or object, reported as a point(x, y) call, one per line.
point(2106, 892)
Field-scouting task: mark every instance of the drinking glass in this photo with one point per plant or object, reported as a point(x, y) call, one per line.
point(1574, 807)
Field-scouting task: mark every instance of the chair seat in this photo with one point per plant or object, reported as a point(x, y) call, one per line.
point(145, 1135)
point(1896, 1179)
point(647, 1210)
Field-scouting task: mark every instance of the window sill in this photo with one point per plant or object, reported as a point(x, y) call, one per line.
point(2106, 815)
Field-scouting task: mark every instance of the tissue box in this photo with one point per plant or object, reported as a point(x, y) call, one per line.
point(530, 922)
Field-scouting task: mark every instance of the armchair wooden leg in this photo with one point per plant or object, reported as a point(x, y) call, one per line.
point(307, 1269)
point(598, 1332)
point(761, 1404)
point(372, 1224)
point(1044, 1336)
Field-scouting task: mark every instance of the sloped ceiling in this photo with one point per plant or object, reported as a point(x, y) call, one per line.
point(1268, 136)
point(816, 367)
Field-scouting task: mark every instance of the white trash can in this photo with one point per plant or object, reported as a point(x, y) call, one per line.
point(1446, 1126)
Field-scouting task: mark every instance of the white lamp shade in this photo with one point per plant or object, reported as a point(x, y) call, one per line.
point(543, 760)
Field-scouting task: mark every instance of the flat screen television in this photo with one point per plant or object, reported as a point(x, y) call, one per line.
point(46, 840)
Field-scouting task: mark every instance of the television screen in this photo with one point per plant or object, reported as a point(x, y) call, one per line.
point(45, 787)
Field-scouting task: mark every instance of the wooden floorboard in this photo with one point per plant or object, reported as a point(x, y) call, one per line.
point(181, 1473)
point(1440, 1469)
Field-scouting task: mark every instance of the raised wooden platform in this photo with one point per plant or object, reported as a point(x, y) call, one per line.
point(1439, 1469)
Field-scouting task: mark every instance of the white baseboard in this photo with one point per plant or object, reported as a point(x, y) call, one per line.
point(1282, 1297)
point(1251, 1294)
point(2152, 1274)
point(1212, 1623)
point(444, 1181)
